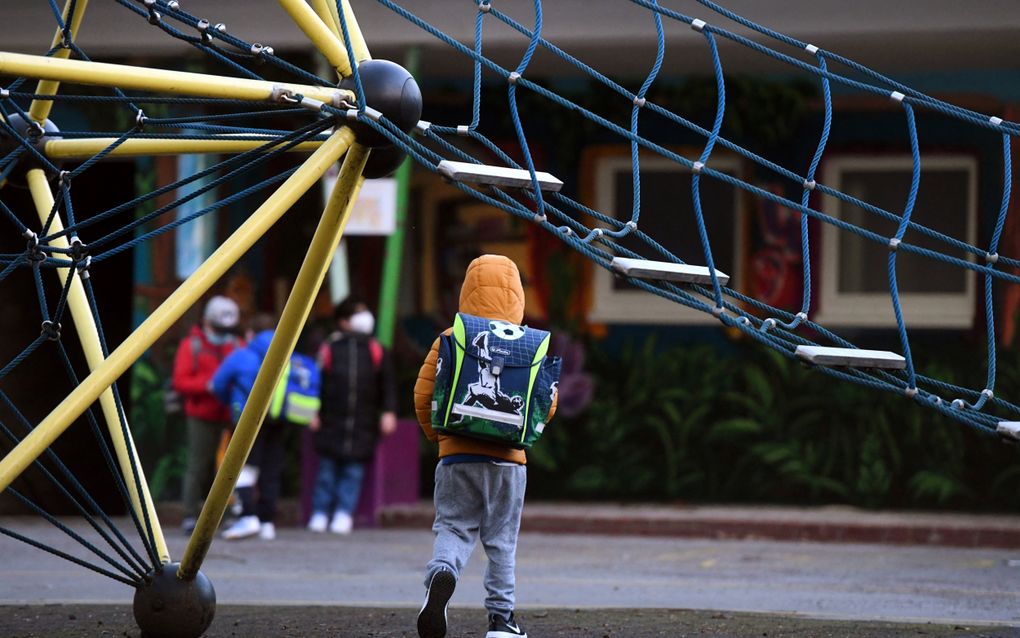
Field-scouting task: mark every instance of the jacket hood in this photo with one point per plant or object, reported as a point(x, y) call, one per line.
point(492, 289)
point(260, 343)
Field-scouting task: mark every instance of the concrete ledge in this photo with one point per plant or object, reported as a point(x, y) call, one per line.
point(823, 524)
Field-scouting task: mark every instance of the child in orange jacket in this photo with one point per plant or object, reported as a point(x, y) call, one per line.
point(479, 485)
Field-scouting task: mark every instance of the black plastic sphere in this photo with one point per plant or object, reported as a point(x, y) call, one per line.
point(383, 161)
point(27, 160)
point(168, 607)
point(392, 91)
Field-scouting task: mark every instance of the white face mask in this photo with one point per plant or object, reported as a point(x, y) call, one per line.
point(363, 322)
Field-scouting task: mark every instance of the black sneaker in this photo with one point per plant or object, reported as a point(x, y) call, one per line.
point(500, 627)
point(432, 617)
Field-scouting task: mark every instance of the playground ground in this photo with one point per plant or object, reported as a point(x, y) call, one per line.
point(67, 621)
point(593, 584)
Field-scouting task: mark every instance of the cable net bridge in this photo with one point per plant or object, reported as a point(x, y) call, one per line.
point(237, 116)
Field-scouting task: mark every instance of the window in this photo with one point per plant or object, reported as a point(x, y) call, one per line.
point(854, 283)
point(667, 215)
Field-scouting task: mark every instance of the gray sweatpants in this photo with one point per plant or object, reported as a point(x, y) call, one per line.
point(479, 500)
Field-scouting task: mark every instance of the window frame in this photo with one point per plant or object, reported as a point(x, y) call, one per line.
point(874, 310)
point(613, 306)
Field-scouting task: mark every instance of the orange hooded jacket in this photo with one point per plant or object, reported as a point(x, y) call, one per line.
point(492, 289)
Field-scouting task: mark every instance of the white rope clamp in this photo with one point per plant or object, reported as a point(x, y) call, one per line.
point(809, 184)
point(422, 126)
point(639, 102)
point(4, 94)
point(896, 96)
point(959, 404)
point(696, 168)
point(812, 49)
point(894, 244)
point(802, 316)
point(744, 320)
point(631, 224)
point(988, 393)
point(997, 121)
point(485, 7)
point(539, 218)
point(312, 104)
point(719, 311)
point(910, 393)
point(463, 130)
point(991, 258)
point(513, 77)
point(173, 5)
point(768, 324)
point(699, 25)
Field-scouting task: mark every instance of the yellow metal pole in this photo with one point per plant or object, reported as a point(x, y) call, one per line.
point(83, 148)
point(158, 80)
point(88, 335)
point(326, 10)
point(23, 454)
point(354, 31)
point(40, 109)
point(324, 39)
point(295, 312)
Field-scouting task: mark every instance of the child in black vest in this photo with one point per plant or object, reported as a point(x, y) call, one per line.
point(359, 402)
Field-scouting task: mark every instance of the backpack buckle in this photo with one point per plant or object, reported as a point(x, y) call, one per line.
point(496, 365)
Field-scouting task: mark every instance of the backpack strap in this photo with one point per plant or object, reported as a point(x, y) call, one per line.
point(196, 348)
point(376, 350)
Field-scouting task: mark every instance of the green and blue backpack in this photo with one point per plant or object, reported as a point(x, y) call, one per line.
point(494, 381)
point(296, 398)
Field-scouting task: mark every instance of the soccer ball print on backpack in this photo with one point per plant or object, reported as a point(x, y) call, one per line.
point(494, 381)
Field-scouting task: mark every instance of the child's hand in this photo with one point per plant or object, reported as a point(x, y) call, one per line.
point(315, 424)
point(388, 423)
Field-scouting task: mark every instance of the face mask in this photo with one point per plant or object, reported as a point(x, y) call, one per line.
point(216, 337)
point(362, 322)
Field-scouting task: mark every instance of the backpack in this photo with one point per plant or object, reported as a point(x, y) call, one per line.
point(494, 381)
point(296, 398)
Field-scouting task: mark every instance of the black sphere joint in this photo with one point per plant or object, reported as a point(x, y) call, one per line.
point(383, 162)
point(36, 134)
point(392, 91)
point(168, 607)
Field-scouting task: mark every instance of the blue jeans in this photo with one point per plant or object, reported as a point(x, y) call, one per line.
point(337, 486)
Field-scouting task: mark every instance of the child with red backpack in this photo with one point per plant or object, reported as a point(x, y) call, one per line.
point(358, 403)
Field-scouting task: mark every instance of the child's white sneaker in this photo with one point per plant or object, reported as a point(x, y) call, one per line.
point(318, 523)
point(342, 523)
point(244, 527)
point(267, 531)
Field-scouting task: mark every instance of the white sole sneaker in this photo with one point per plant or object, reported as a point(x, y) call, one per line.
point(432, 617)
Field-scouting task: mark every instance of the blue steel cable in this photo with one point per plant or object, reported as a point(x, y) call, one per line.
point(136, 565)
point(149, 535)
point(805, 199)
point(894, 243)
point(993, 248)
point(941, 105)
point(720, 112)
point(955, 243)
point(66, 556)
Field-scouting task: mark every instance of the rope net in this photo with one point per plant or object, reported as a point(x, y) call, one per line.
point(597, 235)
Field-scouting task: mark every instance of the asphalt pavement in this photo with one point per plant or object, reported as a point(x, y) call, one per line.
point(382, 569)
